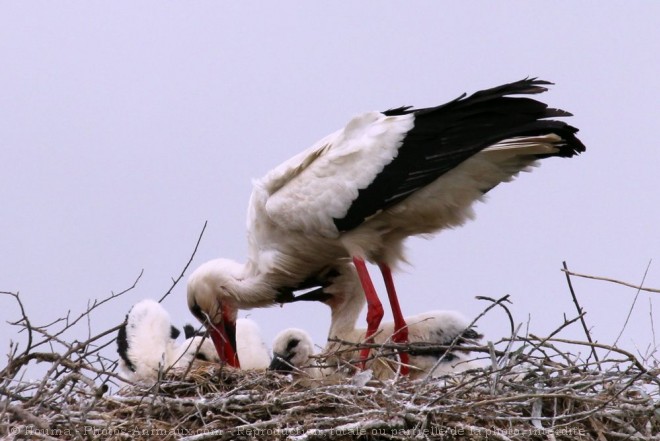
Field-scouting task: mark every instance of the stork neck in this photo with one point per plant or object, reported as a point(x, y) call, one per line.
point(252, 288)
point(345, 313)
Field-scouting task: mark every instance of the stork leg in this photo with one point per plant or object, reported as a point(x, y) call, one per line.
point(400, 327)
point(374, 307)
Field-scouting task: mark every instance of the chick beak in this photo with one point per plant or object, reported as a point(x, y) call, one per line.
point(280, 364)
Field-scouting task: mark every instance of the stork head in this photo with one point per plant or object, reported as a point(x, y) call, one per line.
point(212, 299)
point(291, 349)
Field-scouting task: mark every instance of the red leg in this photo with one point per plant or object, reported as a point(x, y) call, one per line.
point(400, 327)
point(374, 307)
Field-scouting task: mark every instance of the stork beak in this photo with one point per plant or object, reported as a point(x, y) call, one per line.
point(223, 335)
point(280, 364)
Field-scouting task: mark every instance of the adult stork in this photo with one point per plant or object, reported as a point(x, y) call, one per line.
point(361, 191)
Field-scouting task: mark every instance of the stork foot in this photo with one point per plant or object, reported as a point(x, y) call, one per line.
point(374, 316)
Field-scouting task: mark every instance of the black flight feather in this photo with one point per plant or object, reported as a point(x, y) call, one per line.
point(446, 135)
point(122, 346)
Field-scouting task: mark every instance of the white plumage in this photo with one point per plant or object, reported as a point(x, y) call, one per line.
point(191, 349)
point(148, 338)
point(250, 346)
point(346, 300)
point(293, 349)
point(147, 344)
point(360, 192)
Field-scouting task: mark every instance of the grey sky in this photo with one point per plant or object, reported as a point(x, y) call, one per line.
point(125, 125)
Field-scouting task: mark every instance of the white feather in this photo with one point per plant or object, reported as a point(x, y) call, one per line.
point(298, 356)
point(326, 187)
point(292, 211)
point(433, 327)
point(250, 347)
point(181, 356)
point(151, 350)
point(149, 342)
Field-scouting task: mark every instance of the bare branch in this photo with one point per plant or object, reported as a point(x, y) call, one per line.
point(24, 320)
point(607, 279)
point(536, 388)
point(185, 268)
point(580, 312)
point(632, 306)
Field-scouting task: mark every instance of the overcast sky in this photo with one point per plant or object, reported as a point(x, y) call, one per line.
point(124, 126)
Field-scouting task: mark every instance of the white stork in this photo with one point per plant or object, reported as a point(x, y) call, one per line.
point(360, 192)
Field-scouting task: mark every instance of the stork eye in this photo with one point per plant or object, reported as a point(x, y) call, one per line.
point(292, 344)
point(196, 310)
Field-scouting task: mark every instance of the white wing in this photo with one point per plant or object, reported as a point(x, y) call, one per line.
point(310, 190)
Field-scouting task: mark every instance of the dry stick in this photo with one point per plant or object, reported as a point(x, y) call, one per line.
point(514, 329)
point(390, 349)
point(581, 314)
point(24, 318)
point(607, 279)
point(625, 324)
point(652, 324)
point(192, 256)
point(74, 348)
point(25, 415)
point(498, 302)
point(14, 365)
point(96, 304)
point(288, 403)
point(653, 377)
point(537, 346)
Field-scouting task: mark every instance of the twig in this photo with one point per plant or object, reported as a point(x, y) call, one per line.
point(185, 268)
point(498, 302)
point(564, 325)
point(632, 306)
point(631, 357)
point(607, 279)
point(24, 318)
point(652, 324)
point(581, 314)
point(548, 390)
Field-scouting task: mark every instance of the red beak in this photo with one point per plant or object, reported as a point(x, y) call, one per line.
point(223, 335)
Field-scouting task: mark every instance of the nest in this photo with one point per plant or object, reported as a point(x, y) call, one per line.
point(528, 388)
point(536, 392)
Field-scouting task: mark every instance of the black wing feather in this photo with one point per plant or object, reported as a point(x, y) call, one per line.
point(446, 135)
point(122, 345)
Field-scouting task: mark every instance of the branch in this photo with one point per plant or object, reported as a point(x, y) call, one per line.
point(632, 307)
point(607, 279)
point(24, 319)
point(581, 314)
point(192, 256)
